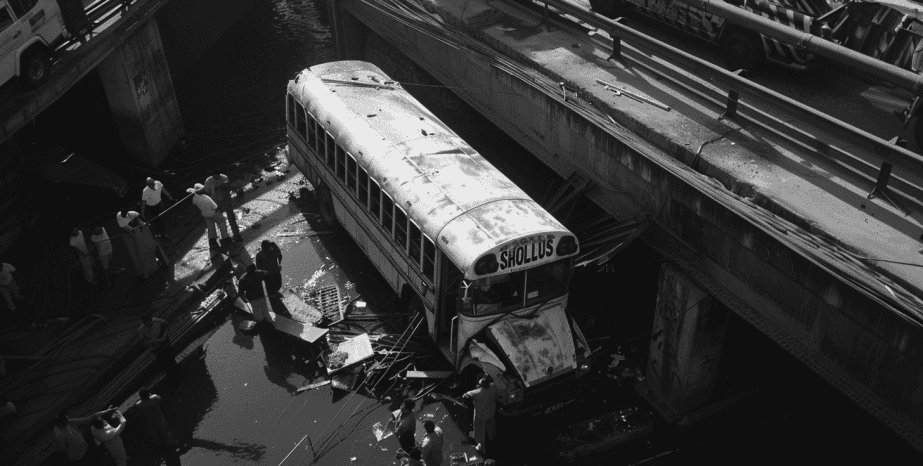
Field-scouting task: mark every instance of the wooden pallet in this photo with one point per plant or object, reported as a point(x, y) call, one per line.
point(327, 300)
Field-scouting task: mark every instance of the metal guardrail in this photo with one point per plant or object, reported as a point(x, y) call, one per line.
point(852, 146)
point(98, 13)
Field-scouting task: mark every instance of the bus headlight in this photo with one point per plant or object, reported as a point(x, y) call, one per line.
point(487, 264)
point(567, 246)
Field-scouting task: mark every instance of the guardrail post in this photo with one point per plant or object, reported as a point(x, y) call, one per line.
point(730, 110)
point(881, 184)
point(616, 42)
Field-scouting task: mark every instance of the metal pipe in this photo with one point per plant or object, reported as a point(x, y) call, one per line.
point(813, 44)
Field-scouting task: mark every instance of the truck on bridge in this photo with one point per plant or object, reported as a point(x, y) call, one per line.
point(29, 32)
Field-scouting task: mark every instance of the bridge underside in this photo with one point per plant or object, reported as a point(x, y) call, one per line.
point(778, 277)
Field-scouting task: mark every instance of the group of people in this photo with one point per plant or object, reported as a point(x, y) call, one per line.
point(106, 427)
point(213, 198)
point(429, 452)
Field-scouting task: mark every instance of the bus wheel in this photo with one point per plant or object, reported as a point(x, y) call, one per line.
point(325, 207)
point(36, 67)
point(741, 50)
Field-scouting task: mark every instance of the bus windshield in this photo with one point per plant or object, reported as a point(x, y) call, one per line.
point(506, 293)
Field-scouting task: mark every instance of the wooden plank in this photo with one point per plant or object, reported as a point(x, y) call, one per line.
point(358, 349)
point(429, 374)
point(312, 386)
point(306, 332)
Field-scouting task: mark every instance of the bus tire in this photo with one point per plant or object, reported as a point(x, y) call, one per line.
point(741, 50)
point(325, 207)
point(35, 68)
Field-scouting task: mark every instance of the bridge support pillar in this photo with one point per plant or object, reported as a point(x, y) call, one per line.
point(139, 87)
point(348, 34)
point(686, 344)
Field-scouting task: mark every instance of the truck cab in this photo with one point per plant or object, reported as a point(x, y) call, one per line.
point(29, 32)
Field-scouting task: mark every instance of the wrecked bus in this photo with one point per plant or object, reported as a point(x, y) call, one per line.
point(476, 262)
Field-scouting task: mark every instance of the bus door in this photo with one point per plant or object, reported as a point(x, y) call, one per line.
point(450, 284)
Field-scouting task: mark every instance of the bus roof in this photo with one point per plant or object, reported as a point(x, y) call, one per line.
point(447, 188)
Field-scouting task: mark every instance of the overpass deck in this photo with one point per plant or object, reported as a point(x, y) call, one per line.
point(112, 25)
point(784, 235)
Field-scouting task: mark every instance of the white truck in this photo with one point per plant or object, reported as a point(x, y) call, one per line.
point(29, 32)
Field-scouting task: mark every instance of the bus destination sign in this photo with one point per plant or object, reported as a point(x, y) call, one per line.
point(525, 252)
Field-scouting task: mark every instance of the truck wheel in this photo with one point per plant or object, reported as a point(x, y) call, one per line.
point(36, 67)
point(325, 207)
point(741, 49)
point(606, 8)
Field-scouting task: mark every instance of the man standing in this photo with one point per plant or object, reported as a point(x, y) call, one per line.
point(127, 219)
point(406, 426)
point(270, 259)
point(152, 204)
point(432, 444)
point(69, 439)
point(86, 260)
point(103, 248)
point(154, 337)
point(218, 188)
point(110, 436)
point(251, 288)
point(210, 213)
point(485, 407)
point(148, 407)
point(9, 286)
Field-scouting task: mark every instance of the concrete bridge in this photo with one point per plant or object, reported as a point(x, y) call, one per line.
point(758, 212)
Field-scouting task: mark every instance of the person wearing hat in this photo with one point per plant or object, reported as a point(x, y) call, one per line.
point(218, 187)
point(210, 213)
point(152, 205)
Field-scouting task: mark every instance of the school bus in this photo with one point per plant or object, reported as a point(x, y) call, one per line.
point(29, 32)
point(462, 245)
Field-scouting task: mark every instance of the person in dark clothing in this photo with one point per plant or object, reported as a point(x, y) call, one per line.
point(153, 332)
point(148, 407)
point(406, 426)
point(270, 259)
point(251, 288)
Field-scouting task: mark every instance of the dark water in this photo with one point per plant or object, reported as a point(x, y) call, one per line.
point(232, 104)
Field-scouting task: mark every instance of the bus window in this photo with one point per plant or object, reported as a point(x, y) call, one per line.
point(546, 282)
point(321, 146)
point(429, 258)
point(20, 7)
point(374, 199)
point(494, 294)
point(5, 21)
point(299, 119)
point(414, 247)
point(363, 188)
point(330, 148)
point(400, 228)
point(312, 131)
point(387, 216)
point(351, 173)
point(341, 163)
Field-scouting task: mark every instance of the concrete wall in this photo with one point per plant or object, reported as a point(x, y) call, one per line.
point(140, 91)
point(686, 344)
point(752, 261)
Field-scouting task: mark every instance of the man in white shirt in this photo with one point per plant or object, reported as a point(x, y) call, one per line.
point(152, 204)
point(86, 260)
point(126, 219)
point(8, 286)
point(218, 187)
point(210, 213)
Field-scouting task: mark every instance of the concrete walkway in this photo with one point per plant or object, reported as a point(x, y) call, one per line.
point(88, 362)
